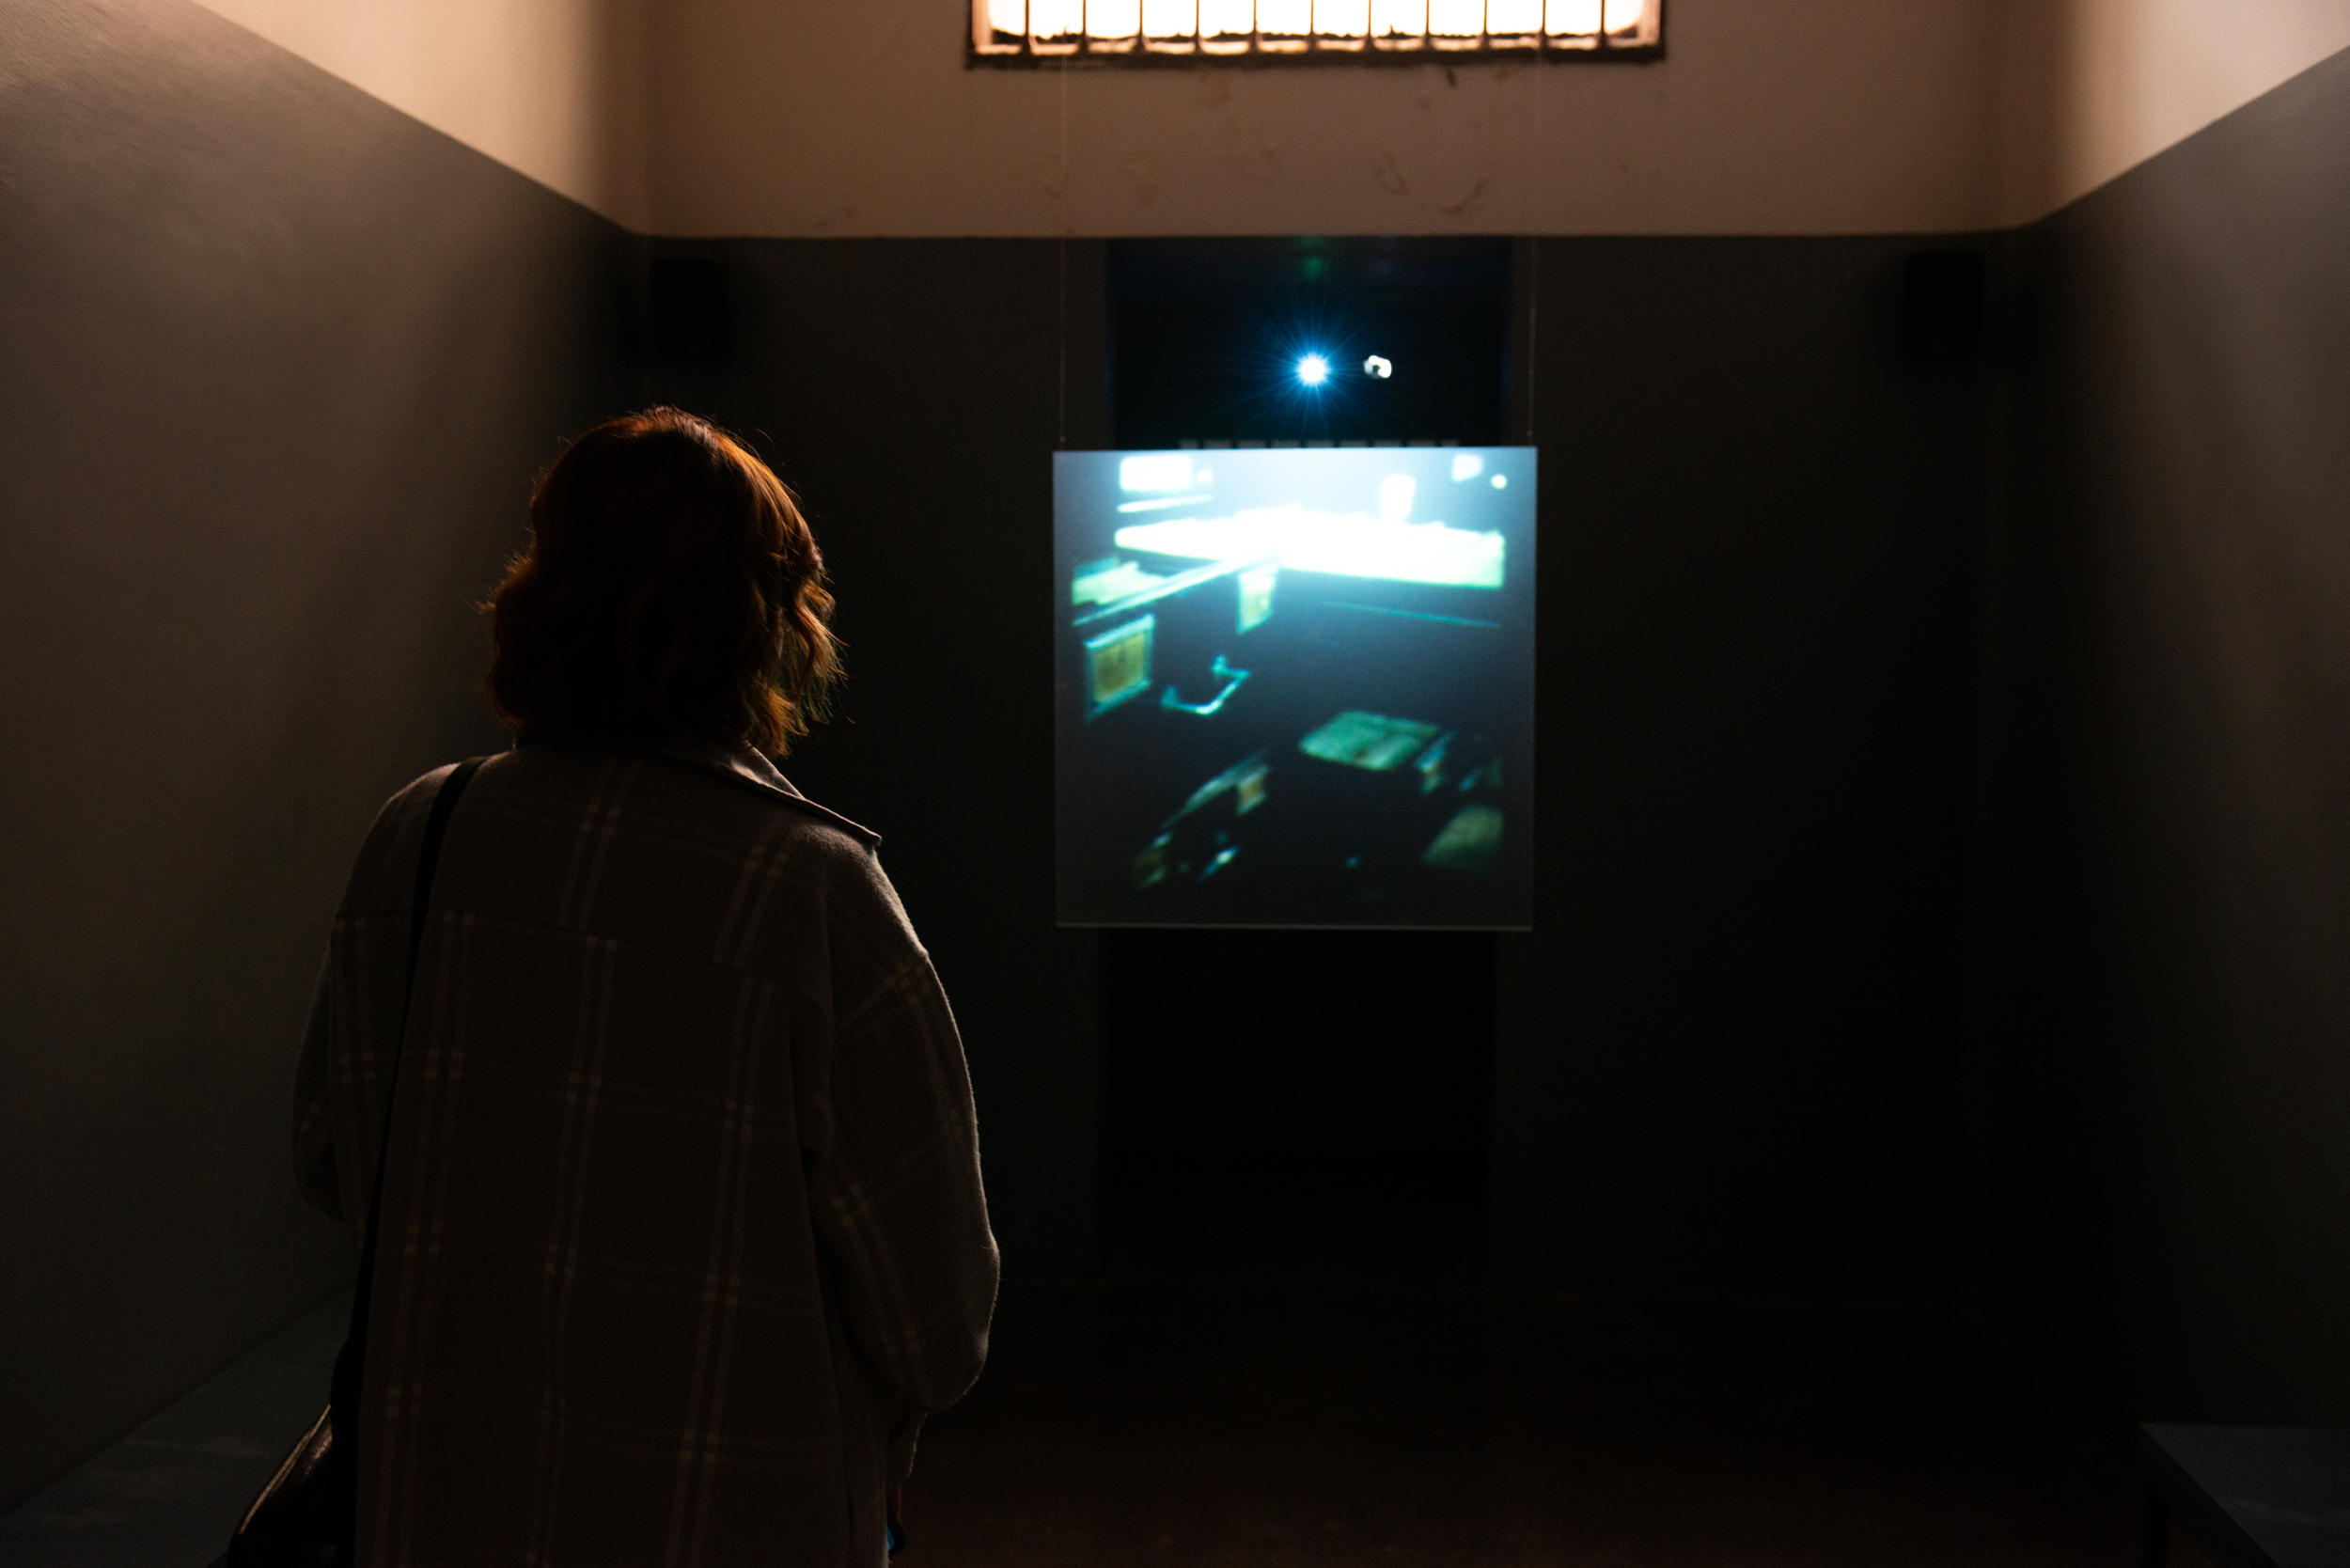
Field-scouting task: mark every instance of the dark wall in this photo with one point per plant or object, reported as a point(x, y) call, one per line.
point(913, 393)
point(280, 364)
point(2163, 1102)
point(1727, 1050)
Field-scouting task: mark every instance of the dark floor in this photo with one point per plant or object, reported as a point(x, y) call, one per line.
point(1139, 1420)
point(1183, 1421)
point(168, 1495)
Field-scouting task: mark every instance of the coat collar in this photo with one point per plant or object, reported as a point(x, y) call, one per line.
point(743, 766)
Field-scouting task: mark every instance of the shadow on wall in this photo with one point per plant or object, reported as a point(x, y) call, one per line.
point(2162, 1117)
point(1728, 1051)
point(281, 364)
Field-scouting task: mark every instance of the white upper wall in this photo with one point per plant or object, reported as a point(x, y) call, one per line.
point(552, 88)
point(860, 119)
point(2092, 87)
point(1769, 117)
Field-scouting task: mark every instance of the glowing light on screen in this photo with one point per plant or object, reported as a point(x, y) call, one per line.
point(1155, 471)
point(1395, 497)
point(1501, 481)
point(1313, 369)
point(1345, 544)
point(1161, 503)
point(1377, 367)
point(1467, 466)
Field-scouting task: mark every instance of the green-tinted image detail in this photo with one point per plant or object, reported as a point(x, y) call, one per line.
point(1372, 742)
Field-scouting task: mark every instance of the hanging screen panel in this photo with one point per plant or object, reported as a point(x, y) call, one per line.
point(1295, 686)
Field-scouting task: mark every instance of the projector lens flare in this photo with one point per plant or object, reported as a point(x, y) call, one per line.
point(1312, 371)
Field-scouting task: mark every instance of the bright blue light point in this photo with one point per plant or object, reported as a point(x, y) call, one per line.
point(1313, 370)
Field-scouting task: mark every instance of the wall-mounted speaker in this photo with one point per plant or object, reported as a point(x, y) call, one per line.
point(1943, 296)
point(690, 318)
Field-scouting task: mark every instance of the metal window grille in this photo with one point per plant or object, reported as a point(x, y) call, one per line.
point(1167, 32)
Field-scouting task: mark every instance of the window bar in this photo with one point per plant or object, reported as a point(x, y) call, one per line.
point(1281, 33)
point(1170, 26)
point(1570, 26)
point(1450, 29)
point(1517, 25)
point(1340, 36)
point(1392, 29)
point(1113, 26)
point(1043, 30)
point(1057, 28)
point(999, 28)
point(1235, 29)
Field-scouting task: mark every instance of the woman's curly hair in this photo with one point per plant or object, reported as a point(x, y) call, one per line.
point(671, 585)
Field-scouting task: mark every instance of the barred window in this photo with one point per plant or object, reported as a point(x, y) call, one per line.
point(1142, 32)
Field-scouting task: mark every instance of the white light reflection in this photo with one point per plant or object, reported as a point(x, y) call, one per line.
point(1574, 18)
point(1467, 466)
point(1342, 19)
point(1113, 19)
point(1242, 26)
point(1377, 367)
point(1161, 503)
point(1226, 18)
point(1155, 471)
point(1395, 497)
point(1170, 19)
point(1457, 19)
point(1346, 544)
point(1285, 18)
point(1056, 19)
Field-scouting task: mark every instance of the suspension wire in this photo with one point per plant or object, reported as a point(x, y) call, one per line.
point(1534, 260)
point(1534, 320)
point(1060, 199)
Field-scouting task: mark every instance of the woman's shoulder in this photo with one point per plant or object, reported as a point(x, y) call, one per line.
point(705, 818)
point(384, 875)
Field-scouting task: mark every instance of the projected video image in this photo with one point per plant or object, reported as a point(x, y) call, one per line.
point(1295, 686)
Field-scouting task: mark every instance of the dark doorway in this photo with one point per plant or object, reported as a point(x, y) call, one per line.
point(1283, 1097)
point(1206, 337)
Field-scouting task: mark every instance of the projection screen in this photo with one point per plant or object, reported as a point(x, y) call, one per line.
point(1295, 686)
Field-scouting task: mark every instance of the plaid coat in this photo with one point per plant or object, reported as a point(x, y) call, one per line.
point(682, 1226)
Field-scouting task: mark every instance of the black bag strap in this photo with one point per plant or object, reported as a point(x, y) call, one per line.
point(351, 1364)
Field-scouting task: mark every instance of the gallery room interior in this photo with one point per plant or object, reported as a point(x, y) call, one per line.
point(1902, 1043)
